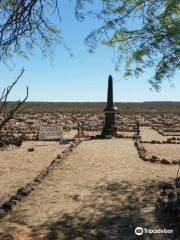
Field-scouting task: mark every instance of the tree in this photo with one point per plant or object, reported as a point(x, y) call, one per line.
point(144, 33)
point(7, 112)
point(25, 24)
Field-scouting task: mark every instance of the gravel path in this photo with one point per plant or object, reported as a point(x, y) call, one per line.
point(102, 191)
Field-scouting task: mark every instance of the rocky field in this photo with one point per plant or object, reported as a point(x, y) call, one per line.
point(28, 124)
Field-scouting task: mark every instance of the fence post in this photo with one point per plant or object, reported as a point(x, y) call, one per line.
point(78, 128)
point(138, 130)
point(83, 128)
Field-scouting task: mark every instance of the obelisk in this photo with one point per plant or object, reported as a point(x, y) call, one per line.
point(109, 128)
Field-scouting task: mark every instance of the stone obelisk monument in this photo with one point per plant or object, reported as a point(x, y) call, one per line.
point(109, 128)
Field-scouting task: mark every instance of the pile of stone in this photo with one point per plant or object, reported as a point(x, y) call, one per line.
point(169, 198)
point(7, 139)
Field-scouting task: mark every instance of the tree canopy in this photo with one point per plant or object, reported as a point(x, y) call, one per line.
point(25, 24)
point(144, 33)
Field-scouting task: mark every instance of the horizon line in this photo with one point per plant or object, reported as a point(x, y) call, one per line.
point(96, 102)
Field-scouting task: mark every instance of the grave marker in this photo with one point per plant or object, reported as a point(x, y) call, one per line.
point(50, 133)
point(91, 123)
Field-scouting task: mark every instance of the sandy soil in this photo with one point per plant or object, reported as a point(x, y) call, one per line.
point(167, 151)
point(18, 166)
point(127, 134)
point(149, 134)
point(102, 191)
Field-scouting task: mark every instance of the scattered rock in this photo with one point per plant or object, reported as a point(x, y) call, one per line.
point(7, 206)
point(38, 179)
point(2, 213)
point(6, 236)
point(177, 182)
point(175, 162)
point(76, 141)
point(31, 149)
point(73, 145)
point(169, 199)
point(165, 161)
point(155, 159)
point(59, 156)
point(166, 185)
point(24, 191)
point(154, 142)
point(15, 199)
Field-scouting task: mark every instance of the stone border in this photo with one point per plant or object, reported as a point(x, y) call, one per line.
point(168, 200)
point(119, 135)
point(154, 159)
point(163, 133)
point(169, 141)
point(21, 193)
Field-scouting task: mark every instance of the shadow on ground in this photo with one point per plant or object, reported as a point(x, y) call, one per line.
point(112, 211)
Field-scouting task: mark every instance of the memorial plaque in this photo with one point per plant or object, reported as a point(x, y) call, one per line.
point(91, 123)
point(51, 133)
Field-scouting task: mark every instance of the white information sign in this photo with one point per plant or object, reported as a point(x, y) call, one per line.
point(51, 133)
point(91, 123)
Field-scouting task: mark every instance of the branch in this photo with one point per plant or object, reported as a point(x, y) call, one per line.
point(8, 114)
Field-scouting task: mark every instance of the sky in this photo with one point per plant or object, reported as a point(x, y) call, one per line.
point(81, 78)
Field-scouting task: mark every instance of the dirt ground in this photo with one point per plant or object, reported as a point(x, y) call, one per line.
point(167, 151)
point(127, 134)
point(102, 191)
point(149, 134)
point(18, 166)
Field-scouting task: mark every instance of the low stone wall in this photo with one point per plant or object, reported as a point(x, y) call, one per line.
point(120, 135)
point(169, 141)
point(164, 133)
point(154, 159)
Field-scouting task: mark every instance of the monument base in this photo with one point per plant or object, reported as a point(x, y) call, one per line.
point(109, 132)
point(109, 125)
point(108, 136)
